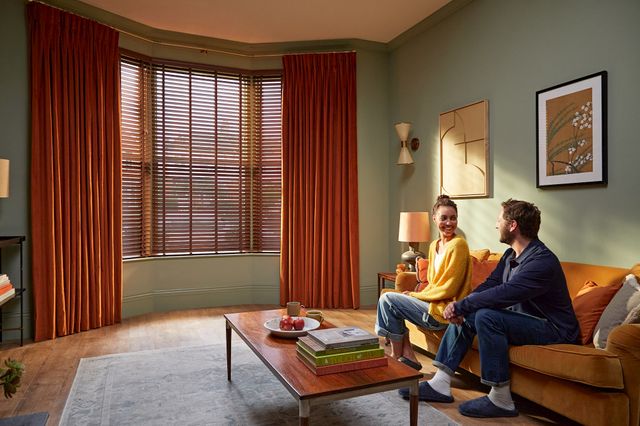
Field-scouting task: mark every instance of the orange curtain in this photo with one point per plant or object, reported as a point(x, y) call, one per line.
point(75, 173)
point(319, 257)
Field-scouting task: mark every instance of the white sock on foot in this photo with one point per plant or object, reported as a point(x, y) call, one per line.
point(441, 382)
point(501, 397)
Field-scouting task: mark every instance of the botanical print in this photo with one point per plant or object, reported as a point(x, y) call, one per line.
point(570, 133)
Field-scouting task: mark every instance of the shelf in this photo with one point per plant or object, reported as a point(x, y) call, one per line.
point(7, 241)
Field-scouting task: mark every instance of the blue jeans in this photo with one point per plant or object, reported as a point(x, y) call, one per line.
point(496, 330)
point(394, 308)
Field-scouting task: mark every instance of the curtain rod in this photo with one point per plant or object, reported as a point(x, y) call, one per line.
point(202, 49)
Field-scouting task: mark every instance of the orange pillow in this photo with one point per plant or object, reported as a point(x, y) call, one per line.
point(422, 265)
point(481, 271)
point(481, 255)
point(589, 303)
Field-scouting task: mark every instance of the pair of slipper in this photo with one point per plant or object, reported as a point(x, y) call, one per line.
point(479, 407)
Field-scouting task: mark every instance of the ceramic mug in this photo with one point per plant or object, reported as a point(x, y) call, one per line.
point(316, 315)
point(293, 309)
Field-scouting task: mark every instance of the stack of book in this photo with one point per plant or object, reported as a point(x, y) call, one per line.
point(336, 350)
point(7, 291)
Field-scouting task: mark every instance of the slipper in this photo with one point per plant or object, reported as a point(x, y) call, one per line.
point(426, 393)
point(412, 364)
point(484, 408)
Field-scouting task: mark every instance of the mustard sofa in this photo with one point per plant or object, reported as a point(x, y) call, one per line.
point(591, 386)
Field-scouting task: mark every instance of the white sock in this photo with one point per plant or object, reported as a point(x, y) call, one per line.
point(441, 382)
point(501, 397)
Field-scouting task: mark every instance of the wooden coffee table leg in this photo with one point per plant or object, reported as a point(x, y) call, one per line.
point(413, 404)
point(303, 409)
point(228, 330)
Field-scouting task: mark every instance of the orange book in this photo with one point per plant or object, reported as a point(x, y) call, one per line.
point(5, 287)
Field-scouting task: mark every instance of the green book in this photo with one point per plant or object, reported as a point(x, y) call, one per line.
point(354, 355)
point(317, 349)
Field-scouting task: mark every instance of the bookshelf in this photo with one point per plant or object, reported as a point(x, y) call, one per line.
point(8, 242)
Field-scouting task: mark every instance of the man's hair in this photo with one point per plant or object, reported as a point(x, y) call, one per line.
point(444, 201)
point(525, 214)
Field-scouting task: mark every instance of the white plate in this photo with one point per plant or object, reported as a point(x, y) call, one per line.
point(273, 325)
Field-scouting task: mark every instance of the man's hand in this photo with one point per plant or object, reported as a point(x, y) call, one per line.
point(407, 292)
point(451, 316)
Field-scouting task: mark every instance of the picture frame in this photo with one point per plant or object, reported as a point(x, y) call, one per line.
point(571, 129)
point(464, 151)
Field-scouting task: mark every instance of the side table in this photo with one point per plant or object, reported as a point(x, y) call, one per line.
point(385, 276)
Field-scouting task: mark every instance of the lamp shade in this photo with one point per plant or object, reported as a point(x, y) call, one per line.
point(405, 156)
point(414, 227)
point(4, 178)
point(403, 129)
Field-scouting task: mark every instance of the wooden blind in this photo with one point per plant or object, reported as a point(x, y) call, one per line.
point(214, 166)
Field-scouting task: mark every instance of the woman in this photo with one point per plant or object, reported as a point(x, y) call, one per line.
point(449, 277)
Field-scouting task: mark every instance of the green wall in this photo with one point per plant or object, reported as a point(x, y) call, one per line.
point(504, 51)
point(14, 145)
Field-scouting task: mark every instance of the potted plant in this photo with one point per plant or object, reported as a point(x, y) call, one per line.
point(10, 376)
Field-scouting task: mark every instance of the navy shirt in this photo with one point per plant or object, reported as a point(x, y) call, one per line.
point(533, 283)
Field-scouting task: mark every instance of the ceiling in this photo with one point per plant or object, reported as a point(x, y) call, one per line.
point(273, 21)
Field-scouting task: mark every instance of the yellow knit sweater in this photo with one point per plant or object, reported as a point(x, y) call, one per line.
point(453, 280)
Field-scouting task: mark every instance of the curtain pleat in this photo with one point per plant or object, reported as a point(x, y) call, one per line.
point(75, 173)
point(319, 257)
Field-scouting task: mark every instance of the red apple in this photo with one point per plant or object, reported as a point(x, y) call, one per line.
point(286, 323)
point(298, 323)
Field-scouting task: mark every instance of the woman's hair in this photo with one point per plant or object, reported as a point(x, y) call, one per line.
point(444, 201)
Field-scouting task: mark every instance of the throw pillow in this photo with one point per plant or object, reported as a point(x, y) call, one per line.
point(633, 317)
point(422, 265)
point(627, 298)
point(589, 303)
point(481, 270)
point(481, 255)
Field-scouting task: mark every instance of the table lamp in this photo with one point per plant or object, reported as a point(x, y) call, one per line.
point(413, 229)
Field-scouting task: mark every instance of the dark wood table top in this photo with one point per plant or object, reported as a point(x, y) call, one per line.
point(279, 355)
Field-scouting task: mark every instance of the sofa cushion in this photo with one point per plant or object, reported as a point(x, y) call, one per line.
point(627, 298)
point(577, 363)
point(635, 270)
point(481, 255)
point(422, 266)
point(589, 304)
point(481, 270)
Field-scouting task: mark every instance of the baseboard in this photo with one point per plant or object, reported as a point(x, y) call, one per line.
point(193, 298)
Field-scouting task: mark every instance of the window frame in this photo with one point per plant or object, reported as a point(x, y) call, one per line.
point(259, 233)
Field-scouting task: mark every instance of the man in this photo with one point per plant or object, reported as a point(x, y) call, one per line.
point(524, 301)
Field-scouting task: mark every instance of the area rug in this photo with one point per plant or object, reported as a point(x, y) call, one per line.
point(188, 386)
point(35, 419)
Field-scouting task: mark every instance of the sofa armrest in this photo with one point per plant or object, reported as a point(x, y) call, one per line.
point(406, 281)
point(624, 341)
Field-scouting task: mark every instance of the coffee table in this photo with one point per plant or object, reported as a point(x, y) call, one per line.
point(279, 355)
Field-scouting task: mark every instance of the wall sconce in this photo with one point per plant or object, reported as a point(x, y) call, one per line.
point(4, 178)
point(403, 134)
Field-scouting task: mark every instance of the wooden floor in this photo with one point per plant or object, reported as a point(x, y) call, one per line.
point(51, 365)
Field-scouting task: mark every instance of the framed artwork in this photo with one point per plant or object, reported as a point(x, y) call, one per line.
point(464, 151)
point(571, 126)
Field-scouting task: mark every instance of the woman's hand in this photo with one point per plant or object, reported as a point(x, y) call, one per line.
point(406, 292)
